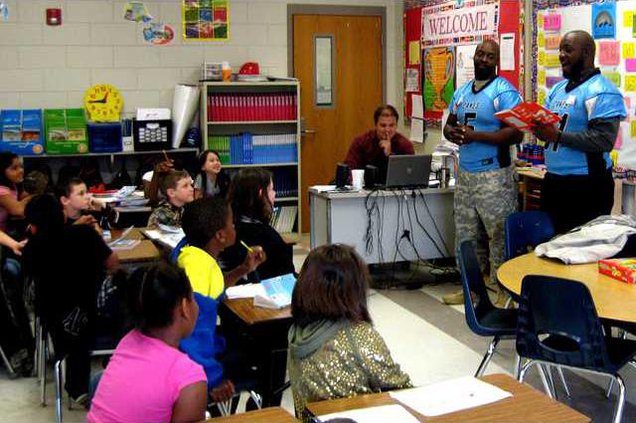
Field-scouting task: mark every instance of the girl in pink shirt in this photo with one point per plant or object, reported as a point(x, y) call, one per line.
point(148, 379)
point(11, 176)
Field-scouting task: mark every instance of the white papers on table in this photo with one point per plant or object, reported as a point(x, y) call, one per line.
point(249, 290)
point(385, 413)
point(450, 396)
point(323, 188)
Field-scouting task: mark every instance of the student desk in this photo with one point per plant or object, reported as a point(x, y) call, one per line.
point(530, 184)
point(525, 405)
point(143, 252)
point(266, 415)
point(423, 216)
point(614, 299)
point(262, 334)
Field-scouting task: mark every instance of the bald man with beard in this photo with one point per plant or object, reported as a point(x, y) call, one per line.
point(485, 193)
point(578, 186)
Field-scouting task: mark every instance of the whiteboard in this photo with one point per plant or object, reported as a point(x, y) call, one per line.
point(580, 18)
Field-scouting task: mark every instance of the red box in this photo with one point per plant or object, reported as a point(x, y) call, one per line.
point(622, 269)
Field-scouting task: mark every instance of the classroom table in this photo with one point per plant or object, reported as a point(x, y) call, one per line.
point(266, 415)
point(526, 405)
point(385, 226)
point(614, 299)
point(262, 333)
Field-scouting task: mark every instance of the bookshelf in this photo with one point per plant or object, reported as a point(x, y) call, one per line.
point(257, 124)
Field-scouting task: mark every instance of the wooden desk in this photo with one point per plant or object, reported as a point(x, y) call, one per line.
point(266, 415)
point(145, 251)
point(530, 184)
point(262, 334)
point(525, 405)
point(614, 299)
point(250, 315)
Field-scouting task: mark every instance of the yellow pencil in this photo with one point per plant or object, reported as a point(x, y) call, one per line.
point(247, 247)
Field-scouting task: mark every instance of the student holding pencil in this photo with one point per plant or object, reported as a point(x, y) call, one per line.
point(252, 197)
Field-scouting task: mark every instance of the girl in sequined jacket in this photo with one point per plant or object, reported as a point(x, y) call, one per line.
point(334, 351)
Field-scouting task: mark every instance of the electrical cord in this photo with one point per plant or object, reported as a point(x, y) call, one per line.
point(439, 234)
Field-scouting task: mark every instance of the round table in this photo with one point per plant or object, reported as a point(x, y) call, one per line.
point(614, 299)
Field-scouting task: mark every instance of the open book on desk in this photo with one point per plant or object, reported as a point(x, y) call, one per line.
point(272, 293)
point(524, 115)
point(168, 238)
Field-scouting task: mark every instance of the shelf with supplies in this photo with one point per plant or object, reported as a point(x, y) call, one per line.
point(256, 124)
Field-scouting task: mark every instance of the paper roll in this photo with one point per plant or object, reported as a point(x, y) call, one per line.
point(184, 106)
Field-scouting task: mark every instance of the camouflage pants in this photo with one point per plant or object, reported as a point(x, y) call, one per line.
point(483, 201)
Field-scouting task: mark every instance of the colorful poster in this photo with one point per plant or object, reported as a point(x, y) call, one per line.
point(628, 50)
point(206, 20)
point(158, 34)
point(458, 23)
point(604, 20)
point(136, 11)
point(439, 71)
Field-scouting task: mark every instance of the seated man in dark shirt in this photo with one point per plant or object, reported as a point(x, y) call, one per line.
point(374, 147)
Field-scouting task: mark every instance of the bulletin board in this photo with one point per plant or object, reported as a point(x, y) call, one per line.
point(613, 27)
point(440, 67)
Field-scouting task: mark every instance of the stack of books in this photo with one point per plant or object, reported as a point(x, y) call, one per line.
point(239, 107)
point(246, 148)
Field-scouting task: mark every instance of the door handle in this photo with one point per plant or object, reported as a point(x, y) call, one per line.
point(308, 131)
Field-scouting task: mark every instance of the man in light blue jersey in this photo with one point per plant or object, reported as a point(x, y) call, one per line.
point(485, 193)
point(579, 185)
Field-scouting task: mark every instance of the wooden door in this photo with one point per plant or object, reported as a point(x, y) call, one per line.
point(356, 92)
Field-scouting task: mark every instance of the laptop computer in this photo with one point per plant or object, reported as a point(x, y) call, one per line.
point(408, 171)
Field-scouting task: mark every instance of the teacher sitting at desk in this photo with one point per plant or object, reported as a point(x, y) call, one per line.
point(374, 147)
point(579, 185)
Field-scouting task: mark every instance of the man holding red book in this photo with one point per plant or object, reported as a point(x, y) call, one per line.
point(578, 185)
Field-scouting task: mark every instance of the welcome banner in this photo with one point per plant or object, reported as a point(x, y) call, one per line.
point(458, 23)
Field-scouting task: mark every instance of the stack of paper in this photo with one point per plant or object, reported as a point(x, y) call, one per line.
point(384, 413)
point(249, 290)
point(450, 396)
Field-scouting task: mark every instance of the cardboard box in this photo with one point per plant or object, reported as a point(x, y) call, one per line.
point(621, 269)
point(21, 132)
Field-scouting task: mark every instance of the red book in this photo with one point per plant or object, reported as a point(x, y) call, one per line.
point(525, 115)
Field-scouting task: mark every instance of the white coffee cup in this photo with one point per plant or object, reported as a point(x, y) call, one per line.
point(357, 178)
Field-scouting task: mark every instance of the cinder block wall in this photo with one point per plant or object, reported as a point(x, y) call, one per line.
point(46, 67)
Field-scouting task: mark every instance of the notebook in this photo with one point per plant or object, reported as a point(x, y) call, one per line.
point(408, 171)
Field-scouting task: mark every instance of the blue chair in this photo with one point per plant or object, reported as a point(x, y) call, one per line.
point(174, 254)
point(558, 325)
point(482, 317)
point(524, 230)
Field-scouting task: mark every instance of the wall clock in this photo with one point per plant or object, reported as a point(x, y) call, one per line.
point(103, 103)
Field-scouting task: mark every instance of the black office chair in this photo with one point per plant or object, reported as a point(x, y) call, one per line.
point(558, 325)
point(482, 317)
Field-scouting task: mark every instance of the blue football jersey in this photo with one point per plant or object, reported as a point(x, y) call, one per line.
point(477, 109)
point(596, 98)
